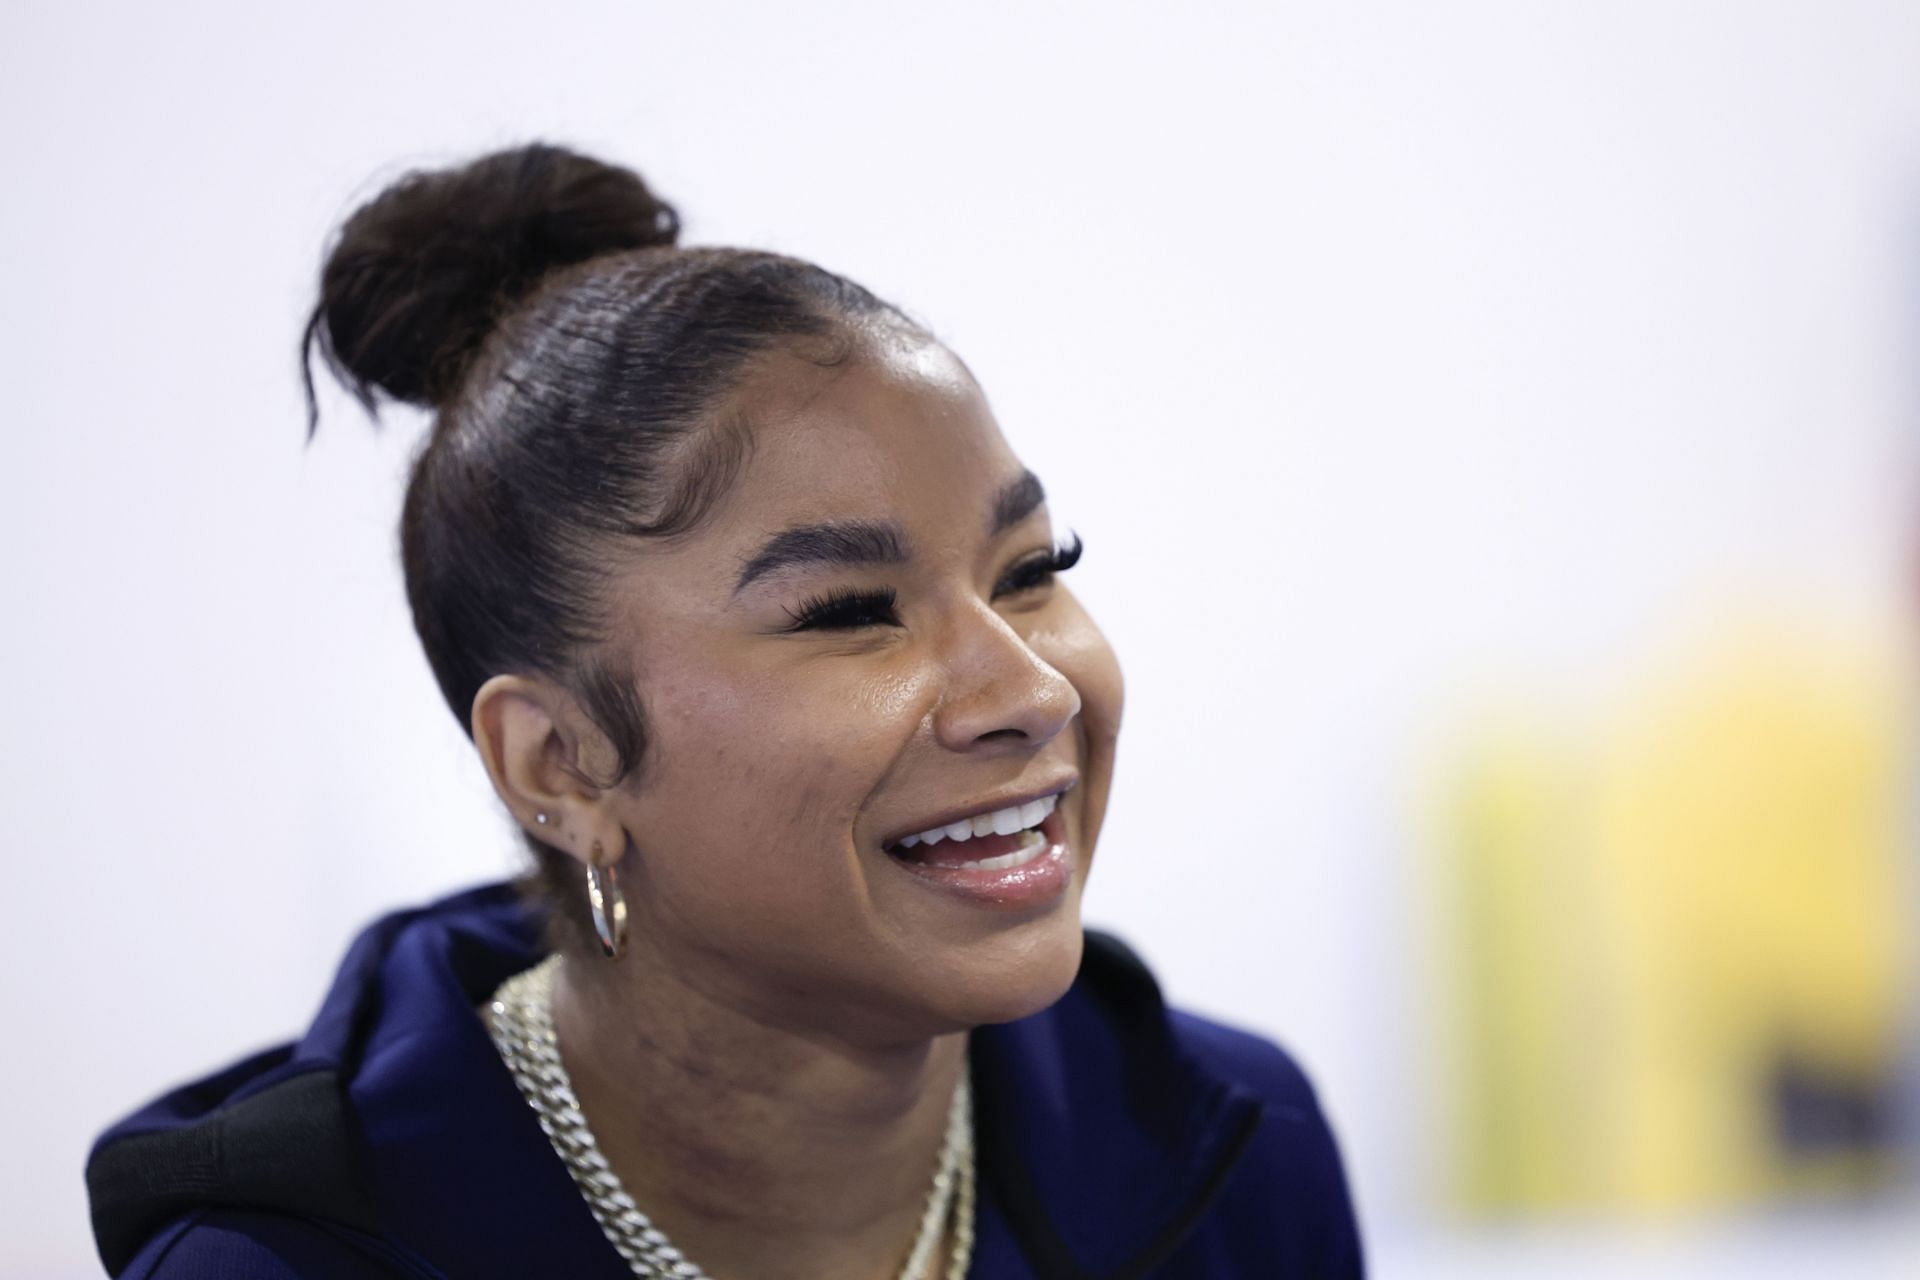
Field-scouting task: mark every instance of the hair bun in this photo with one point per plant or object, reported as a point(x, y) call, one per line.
point(420, 274)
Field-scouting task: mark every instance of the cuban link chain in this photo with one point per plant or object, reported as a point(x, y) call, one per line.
point(522, 1029)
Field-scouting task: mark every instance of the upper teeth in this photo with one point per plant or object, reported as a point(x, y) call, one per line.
point(1000, 822)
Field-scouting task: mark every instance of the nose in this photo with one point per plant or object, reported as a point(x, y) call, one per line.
point(999, 690)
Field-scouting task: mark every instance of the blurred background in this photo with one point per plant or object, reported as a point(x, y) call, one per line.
point(1493, 431)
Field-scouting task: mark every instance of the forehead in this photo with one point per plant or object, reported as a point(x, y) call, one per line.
point(897, 424)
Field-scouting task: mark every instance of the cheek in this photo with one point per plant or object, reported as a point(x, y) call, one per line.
point(780, 758)
point(1075, 647)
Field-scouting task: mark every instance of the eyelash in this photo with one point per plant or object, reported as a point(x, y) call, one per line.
point(848, 608)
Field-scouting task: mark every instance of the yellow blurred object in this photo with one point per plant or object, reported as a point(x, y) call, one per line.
point(1677, 938)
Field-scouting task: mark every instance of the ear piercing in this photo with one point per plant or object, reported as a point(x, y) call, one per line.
point(607, 904)
point(604, 899)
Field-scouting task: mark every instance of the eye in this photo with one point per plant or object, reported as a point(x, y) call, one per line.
point(1038, 570)
point(845, 609)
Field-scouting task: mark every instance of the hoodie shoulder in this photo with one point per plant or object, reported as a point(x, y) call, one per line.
point(1293, 1157)
point(1248, 1059)
point(236, 1244)
point(284, 1145)
point(273, 1153)
point(1286, 1199)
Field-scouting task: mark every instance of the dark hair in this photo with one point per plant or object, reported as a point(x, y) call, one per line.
point(577, 363)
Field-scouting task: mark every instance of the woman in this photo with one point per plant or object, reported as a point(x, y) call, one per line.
point(753, 618)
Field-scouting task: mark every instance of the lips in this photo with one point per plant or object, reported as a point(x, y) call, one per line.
point(1025, 869)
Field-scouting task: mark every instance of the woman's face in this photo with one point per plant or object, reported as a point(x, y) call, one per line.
point(862, 642)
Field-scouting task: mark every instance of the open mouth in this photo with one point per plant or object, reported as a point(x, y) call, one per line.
point(994, 840)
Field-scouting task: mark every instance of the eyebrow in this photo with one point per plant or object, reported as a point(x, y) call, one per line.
point(1015, 502)
point(854, 542)
point(869, 542)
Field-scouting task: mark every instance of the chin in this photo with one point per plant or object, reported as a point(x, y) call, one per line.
point(1012, 976)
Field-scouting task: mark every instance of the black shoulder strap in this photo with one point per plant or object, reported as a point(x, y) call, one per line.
point(289, 1147)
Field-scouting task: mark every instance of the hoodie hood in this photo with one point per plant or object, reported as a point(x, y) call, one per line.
point(1100, 1140)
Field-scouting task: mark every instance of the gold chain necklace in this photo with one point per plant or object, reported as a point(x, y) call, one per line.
point(522, 1029)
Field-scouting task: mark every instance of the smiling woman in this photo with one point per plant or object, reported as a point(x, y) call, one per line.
point(754, 618)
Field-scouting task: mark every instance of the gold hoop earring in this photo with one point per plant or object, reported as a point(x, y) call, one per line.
point(609, 905)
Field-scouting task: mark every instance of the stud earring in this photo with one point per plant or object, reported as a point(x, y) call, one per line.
point(540, 818)
point(609, 905)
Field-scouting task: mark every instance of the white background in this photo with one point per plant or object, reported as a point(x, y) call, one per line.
point(1381, 354)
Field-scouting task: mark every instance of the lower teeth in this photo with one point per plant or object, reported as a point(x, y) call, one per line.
point(1031, 843)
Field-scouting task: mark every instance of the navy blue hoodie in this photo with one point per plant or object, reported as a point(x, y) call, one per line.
point(1115, 1138)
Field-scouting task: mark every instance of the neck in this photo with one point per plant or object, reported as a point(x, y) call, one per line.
point(760, 1147)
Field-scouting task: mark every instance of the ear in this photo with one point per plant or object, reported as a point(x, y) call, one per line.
point(537, 744)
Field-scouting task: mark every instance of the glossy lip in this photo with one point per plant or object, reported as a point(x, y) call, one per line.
point(1038, 884)
point(1004, 801)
